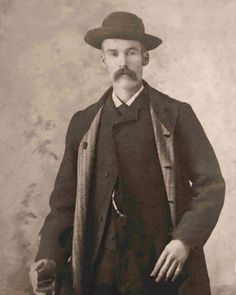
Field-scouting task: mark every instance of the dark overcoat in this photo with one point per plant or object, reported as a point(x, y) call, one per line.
point(192, 178)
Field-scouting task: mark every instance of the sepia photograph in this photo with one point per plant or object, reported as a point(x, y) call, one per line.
point(118, 133)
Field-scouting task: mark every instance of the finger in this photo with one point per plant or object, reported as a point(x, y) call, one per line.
point(44, 289)
point(164, 269)
point(32, 271)
point(45, 282)
point(171, 270)
point(39, 265)
point(33, 276)
point(177, 273)
point(159, 264)
point(34, 279)
point(40, 284)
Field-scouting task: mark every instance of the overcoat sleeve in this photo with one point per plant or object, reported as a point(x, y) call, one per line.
point(207, 183)
point(56, 232)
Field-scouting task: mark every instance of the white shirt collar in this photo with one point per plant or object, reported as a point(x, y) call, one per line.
point(117, 101)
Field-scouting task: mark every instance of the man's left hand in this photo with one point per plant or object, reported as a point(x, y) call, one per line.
point(171, 261)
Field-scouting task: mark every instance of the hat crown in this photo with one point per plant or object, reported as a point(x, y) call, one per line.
point(126, 20)
point(121, 25)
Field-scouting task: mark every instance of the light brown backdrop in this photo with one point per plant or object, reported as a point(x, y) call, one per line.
point(47, 73)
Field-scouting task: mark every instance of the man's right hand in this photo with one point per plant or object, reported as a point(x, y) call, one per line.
point(42, 276)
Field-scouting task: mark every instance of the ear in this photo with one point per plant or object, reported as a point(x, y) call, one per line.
point(145, 58)
point(103, 61)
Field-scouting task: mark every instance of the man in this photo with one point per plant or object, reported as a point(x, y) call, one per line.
point(139, 190)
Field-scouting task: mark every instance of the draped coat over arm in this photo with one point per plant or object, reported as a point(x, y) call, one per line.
point(192, 178)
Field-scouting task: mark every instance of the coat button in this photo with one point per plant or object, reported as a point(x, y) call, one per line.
point(101, 218)
point(106, 174)
point(167, 167)
point(85, 145)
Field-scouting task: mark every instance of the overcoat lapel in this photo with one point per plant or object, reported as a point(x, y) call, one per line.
point(163, 116)
point(86, 153)
point(165, 149)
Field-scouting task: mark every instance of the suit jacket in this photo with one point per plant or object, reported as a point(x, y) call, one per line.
point(192, 178)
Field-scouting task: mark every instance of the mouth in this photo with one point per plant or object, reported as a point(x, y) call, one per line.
point(125, 74)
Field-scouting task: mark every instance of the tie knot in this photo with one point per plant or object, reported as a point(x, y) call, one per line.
point(122, 108)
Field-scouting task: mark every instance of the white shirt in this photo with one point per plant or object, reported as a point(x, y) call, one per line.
point(118, 102)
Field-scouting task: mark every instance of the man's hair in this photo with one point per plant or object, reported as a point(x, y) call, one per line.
point(144, 49)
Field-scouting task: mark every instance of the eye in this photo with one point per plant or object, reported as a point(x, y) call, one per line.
point(113, 53)
point(132, 52)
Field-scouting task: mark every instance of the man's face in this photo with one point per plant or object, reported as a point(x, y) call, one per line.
point(124, 60)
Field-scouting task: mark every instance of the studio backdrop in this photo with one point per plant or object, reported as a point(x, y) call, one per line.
point(48, 72)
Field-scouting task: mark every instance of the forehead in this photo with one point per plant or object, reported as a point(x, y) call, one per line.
point(120, 44)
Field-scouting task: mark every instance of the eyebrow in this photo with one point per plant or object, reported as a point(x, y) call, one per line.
point(133, 48)
point(111, 49)
point(130, 48)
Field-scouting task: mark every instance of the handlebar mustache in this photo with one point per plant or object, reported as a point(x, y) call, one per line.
point(125, 71)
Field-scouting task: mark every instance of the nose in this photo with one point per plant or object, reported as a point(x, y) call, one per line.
point(122, 60)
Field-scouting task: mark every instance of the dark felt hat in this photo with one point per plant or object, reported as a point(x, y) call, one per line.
point(121, 25)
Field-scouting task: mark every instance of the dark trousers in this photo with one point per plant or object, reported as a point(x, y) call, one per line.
point(105, 272)
point(113, 276)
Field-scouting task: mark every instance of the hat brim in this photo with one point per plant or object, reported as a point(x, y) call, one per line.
point(96, 36)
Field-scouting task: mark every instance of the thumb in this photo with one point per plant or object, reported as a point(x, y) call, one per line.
point(39, 265)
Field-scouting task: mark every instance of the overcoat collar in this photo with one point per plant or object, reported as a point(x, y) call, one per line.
point(164, 108)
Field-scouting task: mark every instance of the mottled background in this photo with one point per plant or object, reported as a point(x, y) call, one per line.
point(47, 72)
